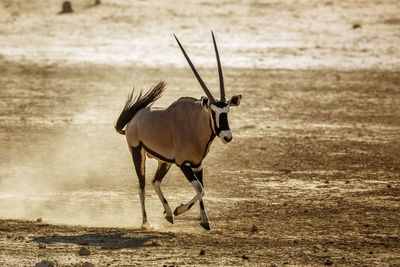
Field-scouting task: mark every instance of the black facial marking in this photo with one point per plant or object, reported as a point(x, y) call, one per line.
point(223, 121)
point(220, 104)
point(216, 129)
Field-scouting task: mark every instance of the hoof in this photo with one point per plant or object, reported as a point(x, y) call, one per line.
point(205, 225)
point(170, 218)
point(176, 213)
point(146, 226)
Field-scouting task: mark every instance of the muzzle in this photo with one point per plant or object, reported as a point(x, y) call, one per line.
point(226, 136)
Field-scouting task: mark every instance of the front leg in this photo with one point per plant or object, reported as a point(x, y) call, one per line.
point(198, 172)
point(188, 172)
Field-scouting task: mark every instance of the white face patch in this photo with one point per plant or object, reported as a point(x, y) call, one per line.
point(218, 112)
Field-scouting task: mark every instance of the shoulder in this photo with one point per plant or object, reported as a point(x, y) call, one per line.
point(185, 101)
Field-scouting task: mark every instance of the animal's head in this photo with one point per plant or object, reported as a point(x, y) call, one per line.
point(217, 109)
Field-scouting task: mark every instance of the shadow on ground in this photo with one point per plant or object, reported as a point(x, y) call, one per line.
point(117, 240)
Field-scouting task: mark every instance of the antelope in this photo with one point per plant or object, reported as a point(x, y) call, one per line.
point(180, 134)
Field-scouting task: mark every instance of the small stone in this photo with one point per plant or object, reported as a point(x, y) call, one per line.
point(84, 251)
point(389, 186)
point(154, 244)
point(202, 252)
point(42, 246)
point(328, 262)
point(66, 7)
point(285, 203)
point(244, 257)
point(87, 264)
point(254, 228)
point(45, 263)
point(356, 26)
point(39, 220)
point(371, 252)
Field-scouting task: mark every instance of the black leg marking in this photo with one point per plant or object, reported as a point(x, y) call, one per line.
point(162, 170)
point(137, 160)
point(158, 177)
point(190, 205)
point(199, 175)
point(187, 171)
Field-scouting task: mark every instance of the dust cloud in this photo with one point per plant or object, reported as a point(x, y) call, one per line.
point(77, 176)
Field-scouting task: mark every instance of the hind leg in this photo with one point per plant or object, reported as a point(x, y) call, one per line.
point(162, 170)
point(139, 160)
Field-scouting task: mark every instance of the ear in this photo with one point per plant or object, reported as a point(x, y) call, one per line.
point(204, 102)
point(235, 100)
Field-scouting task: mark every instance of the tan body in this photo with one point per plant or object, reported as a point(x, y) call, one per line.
point(178, 134)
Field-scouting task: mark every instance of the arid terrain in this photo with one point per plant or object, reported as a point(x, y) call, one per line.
point(312, 176)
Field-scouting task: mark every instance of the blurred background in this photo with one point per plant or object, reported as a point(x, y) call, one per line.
point(316, 149)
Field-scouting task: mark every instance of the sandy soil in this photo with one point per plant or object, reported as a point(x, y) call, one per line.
point(311, 178)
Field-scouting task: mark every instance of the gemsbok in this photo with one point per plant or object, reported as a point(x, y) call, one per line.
point(180, 134)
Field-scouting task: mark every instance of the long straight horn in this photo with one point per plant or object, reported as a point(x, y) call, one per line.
point(208, 93)
point(221, 76)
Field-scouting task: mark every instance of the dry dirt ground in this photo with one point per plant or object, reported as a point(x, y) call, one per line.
point(311, 178)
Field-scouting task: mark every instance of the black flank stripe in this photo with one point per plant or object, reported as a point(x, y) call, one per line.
point(155, 154)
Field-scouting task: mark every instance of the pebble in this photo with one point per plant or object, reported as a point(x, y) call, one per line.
point(244, 257)
point(45, 263)
point(254, 228)
point(202, 252)
point(39, 220)
point(328, 262)
point(87, 264)
point(84, 251)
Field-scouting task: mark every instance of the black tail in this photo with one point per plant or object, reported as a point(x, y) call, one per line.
point(133, 105)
